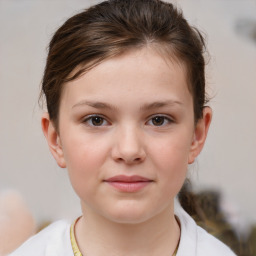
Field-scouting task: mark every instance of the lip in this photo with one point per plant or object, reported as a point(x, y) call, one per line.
point(129, 184)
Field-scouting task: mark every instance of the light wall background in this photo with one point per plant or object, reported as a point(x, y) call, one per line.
point(228, 162)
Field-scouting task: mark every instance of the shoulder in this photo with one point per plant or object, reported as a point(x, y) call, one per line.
point(210, 245)
point(51, 241)
point(195, 241)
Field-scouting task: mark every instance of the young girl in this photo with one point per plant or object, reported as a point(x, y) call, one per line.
point(125, 90)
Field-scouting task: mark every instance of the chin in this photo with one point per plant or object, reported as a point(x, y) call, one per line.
point(129, 219)
point(129, 215)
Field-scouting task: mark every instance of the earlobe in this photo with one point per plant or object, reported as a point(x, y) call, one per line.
point(200, 134)
point(53, 140)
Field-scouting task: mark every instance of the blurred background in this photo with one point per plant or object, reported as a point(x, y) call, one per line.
point(227, 166)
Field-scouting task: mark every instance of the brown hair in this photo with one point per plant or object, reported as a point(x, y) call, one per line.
point(112, 27)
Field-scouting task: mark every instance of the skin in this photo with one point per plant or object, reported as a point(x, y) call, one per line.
point(127, 93)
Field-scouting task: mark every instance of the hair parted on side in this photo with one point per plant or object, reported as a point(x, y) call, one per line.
point(113, 27)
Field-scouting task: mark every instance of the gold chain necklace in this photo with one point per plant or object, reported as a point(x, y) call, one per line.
point(74, 245)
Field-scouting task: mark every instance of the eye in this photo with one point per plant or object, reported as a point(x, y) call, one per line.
point(95, 120)
point(159, 121)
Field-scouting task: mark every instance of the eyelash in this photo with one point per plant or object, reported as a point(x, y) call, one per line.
point(166, 120)
point(89, 120)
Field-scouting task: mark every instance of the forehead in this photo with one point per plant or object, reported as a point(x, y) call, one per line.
point(138, 74)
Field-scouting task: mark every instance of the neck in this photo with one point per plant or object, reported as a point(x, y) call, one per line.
point(97, 235)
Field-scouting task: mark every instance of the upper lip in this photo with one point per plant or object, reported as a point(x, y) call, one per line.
point(124, 178)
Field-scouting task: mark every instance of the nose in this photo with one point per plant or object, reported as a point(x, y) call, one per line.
point(129, 146)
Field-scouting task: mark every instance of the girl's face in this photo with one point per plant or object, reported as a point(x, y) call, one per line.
point(127, 135)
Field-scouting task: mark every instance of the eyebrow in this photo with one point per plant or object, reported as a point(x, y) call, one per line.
point(94, 104)
point(160, 104)
point(153, 105)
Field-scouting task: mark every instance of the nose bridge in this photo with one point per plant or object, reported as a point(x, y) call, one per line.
point(129, 146)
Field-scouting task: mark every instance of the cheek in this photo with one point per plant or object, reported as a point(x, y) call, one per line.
point(84, 159)
point(171, 151)
point(171, 161)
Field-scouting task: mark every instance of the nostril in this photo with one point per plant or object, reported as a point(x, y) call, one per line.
point(129, 160)
point(128, 150)
point(119, 159)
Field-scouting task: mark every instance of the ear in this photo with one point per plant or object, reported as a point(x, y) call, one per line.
point(53, 139)
point(200, 134)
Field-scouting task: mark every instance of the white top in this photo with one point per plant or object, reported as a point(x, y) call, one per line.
point(55, 241)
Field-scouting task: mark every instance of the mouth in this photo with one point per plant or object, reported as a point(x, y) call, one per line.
point(128, 184)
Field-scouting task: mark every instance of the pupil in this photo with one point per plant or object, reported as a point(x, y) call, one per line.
point(158, 120)
point(97, 120)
